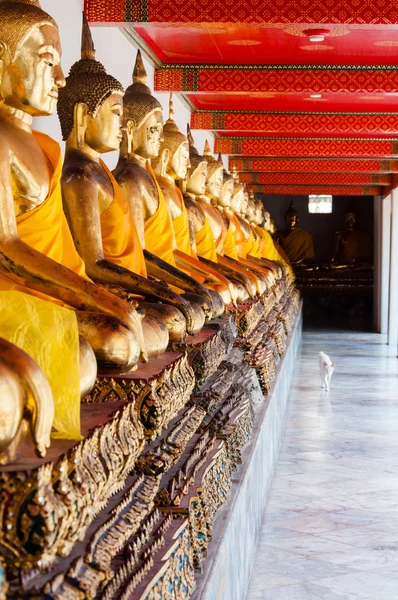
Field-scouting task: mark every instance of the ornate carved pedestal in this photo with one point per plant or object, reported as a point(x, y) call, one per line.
point(159, 389)
point(206, 350)
point(247, 316)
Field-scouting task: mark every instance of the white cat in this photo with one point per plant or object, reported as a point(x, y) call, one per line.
point(327, 367)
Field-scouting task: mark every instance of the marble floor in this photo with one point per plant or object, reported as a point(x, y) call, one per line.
point(330, 529)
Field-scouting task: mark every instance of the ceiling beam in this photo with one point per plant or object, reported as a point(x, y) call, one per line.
point(251, 11)
point(276, 79)
point(285, 123)
point(305, 190)
point(308, 147)
point(313, 165)
point(314, 179)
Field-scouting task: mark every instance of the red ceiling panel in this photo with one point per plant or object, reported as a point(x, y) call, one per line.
point(314, 179)
point(251, 11)
point(313, 165)
point(305, 190)
point(286, 124)
point(311, 147)
point(295, 102)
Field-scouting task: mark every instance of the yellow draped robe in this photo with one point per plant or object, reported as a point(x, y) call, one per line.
point(120, 241)
point(298, 245)
point(205, 245)
point(158, 229)
point(40, 325)
point(229, 240)
point(182, 237)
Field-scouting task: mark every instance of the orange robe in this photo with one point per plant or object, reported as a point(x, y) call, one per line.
point(298, 245)
point(205, 245)
point(120, 239)
point(45, 227)
point(181, 229)
point(159, 234)
point(229, 248)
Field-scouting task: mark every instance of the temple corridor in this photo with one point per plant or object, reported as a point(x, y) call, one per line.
point(330, 530)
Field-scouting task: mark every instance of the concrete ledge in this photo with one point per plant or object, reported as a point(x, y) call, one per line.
point(227, 569)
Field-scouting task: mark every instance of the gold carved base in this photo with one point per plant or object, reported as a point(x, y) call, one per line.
point(47, 510)
point(158, 389)
point(247, 316)
point(205, 352)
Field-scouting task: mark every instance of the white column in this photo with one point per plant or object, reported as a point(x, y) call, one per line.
point(393, 296)
point(385, 262)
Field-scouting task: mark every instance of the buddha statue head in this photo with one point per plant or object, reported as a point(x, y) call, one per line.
point(245, 202)
point(291, 217)
point(227, 188)
point(30, 54)
point(143, 114)
point(251, 206)
point(174, 150)
point(197, 173)
point(214, 174)
point(90, 106)
point(237, 197)
point(351, 217)
point(258, 217)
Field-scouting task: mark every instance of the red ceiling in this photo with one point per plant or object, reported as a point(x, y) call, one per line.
point(295, 102)
point(271, 44)
point(269, 35)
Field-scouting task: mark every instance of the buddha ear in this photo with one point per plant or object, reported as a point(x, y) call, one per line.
point(80, 119)
point(129, 129)
point(166, 155)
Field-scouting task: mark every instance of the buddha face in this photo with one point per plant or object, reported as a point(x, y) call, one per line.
point(258, 214)
point(244, 204)
point(214, 183)
point(104, 130)
point(350, 220)
point(237, 200)
point(179, 164)
point(31, 81)
point(291, 221)
point(196, 183)
point(226, 193)
point(267, 221)
point(149, 136)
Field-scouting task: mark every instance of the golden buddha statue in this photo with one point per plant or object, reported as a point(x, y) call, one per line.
point(239, 238)
point(36, 245)
point(269, 248)
point(112, 252)
point(201, 228)
point(352, 248)
point(170, 167)
point(205, 237)
point(141, 142)
point(296, 242)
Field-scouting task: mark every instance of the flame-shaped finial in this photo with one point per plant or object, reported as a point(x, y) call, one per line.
point(207, 149)
point(189, 136)
point(171, 107)
point(234, 172)
point(139, 73)
point(219, 157)
point(251, 194)
point(87, 48)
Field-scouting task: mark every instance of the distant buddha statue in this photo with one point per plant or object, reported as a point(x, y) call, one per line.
point(352, 248)
point(296, 242)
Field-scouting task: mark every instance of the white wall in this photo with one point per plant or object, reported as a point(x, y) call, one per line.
point(117, 54)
